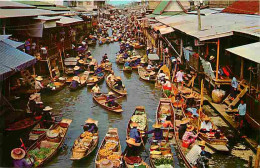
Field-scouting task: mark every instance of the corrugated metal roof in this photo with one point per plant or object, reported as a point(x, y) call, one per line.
point(47, 18)
point(207, 11)
point(13, 13)
point(160, 8)
point(54, 8)
point(166, 30)
point(37, 3)
point(249, 51)
point(13, 60)
point(244, 7)
point(213, 26)
point(67, 20)
point(13, 5)
point(13, 43)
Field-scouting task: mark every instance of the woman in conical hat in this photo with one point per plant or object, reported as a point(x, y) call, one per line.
point(18, 155)
point(157, 132)
point(189, 137)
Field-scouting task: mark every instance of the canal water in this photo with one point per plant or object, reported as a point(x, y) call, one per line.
point(79, 106)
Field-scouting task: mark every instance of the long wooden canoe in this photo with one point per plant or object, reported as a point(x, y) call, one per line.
point(142, 120)
point(145, 75)
point(79, 153)
point(127, 69)
point(112, 135)
point(167, 72)
point(95, 80)
point(49, 146)
point(164, 109)
point(83, 82)
point(23, 124)
point(101, 100)
point(57, 86)
point(110, 84)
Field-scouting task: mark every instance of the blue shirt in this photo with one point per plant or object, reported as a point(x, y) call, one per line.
point(234, 83)
point(134, 134)
point(242, 109)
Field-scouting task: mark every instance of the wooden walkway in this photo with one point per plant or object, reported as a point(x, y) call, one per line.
point(221, 109)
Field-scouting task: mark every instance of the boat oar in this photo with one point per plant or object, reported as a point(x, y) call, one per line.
point(23, 146)
point(142, 142)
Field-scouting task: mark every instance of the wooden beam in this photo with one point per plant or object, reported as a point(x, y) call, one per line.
point(242, 69)
point(217, 66)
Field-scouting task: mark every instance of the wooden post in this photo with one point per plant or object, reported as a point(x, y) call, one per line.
point(181, 46)
point(217, 60)
point(242, 69)
point(250, 161)
point(199, 19)
point(257, 157)
point(63, 69)
point(34, 74)
point(201, 102)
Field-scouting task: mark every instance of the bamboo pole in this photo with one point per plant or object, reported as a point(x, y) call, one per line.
point(217, 60)
point(201, 103)
point(257, 159)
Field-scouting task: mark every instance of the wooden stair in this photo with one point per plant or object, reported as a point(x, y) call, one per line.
point(26, 75)
point(243, 91)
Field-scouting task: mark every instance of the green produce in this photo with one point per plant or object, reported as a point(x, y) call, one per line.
point(163, 161)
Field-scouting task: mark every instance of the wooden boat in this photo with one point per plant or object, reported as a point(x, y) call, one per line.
point(108, 66)
point(139, 116)
point(23, 124)
point(174, 92)
point(166, 70)
point(132, 164)
point(127, 69)
point(110, 84)
point(212, 142)
point(101, 100)
point(165, 109)
point(112, 153)
point(145, 75)
point(120, 59)
point(48, 145)
point(55, 87)
point(92, 80)
point(89, 144)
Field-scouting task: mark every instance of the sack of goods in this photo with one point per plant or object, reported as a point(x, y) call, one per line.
point(218, 95)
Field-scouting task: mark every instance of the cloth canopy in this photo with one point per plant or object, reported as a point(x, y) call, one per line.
point(13, 60)
point(153, 57)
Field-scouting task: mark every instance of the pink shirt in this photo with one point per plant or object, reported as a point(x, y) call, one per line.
point(187, 135)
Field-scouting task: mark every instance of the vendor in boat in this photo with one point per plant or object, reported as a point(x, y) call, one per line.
point(118, 83)
point(96, 89)
point(189, 137)
point(31, 105)
point(18, 155)
point(38, 84)
point(161, 76)
point(90, 126)
point(111, 99)
point(167, 87)
point(127, 63)
point(99, 71)
point(134, 133)
point(183, 127)
point(104, 57)
point(91, 66)
point(206, 125)
point(157, 132)
point(149, 67)
point(75, 82)
point(204, 153)
point(126, 55)
point(88, 53)
point(76, 70)
point(168, 122)
point(46, 117)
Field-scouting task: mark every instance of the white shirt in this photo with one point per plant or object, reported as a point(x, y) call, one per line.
point(161, 75)
point(95, 89)
point(207, 126)
point(168, 84)
point(149, 67)
point(179, 76)
point(38, 85)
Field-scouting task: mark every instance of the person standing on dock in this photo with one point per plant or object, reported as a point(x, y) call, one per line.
point(241, 117)
point(234, 85)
